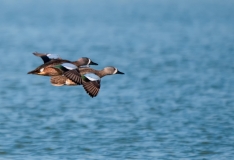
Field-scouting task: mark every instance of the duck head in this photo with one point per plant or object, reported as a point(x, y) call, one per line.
point(84, 61)
point(112, 70)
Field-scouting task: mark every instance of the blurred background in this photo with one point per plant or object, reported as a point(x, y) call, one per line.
point(175, 101)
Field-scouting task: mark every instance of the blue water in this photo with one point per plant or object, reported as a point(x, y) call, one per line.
point(175, 101)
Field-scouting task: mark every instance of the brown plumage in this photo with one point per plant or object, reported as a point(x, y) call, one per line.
point(92, 87)
point(74, 75)
point(47, 69)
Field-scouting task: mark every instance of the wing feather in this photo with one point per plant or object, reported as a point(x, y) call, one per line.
point(92, 87)
point(74, 75)
point(46, 57)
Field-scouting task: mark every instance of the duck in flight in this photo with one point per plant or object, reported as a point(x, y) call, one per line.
point(71, 73)
point(91, 78)
point(51, 60)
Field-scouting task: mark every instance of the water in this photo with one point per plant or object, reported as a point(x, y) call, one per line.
point(175, 100)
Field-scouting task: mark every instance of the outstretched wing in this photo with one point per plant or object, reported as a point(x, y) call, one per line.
point(46, 57)
point(74, 75)
point(91, 84)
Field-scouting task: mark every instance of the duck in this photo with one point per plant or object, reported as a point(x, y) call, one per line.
point(91, 78)
point(48, 69)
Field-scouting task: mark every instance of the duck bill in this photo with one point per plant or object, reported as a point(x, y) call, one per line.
point(118, 72)
point(92, 63)
point(38, 73)
point(33, 72)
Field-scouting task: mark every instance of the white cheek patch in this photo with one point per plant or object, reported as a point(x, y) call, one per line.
point(41, 70)
point(89, 61)
point(92, 77)
point(116, 70)
point(53, 56)
point(69, 66)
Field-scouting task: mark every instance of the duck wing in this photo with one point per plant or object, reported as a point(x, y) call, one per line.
point(46, 57)
point(91, 84)
point(74, 75)
point(51, 63)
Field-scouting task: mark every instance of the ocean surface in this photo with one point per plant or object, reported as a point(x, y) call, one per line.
point(175, 100)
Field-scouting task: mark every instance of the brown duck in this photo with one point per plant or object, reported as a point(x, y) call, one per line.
point(91, 79)
point(48, 69)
